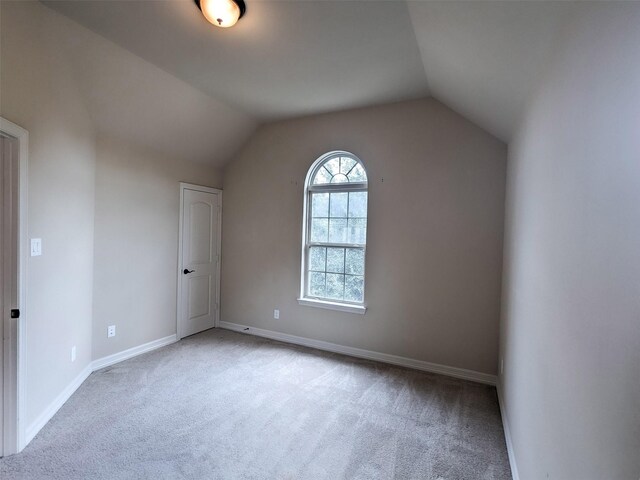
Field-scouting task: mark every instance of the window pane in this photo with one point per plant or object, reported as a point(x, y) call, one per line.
point(346, 164)
point(340, 178)
point(357, 230)
point(319, 204)
point(335, 260)
point(337, 230)
point(358, 204)
point(335, 286)
point(339, 205)
point(354, 261)
point(317, 256)
point(357, 174)
point(354, 288)
point(319, 229)
point(322, 176)
point(317, 284)
point(333, 165)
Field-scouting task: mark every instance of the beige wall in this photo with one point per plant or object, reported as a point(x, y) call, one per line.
point(90, 163)
point(38, 91)
point(570, 334)
point(434, 252)
point(136, 242)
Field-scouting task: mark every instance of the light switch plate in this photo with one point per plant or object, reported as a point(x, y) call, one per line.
point(36, 247)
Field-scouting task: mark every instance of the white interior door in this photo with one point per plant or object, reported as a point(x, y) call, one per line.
point(2, 290)
point(199, 260)
point(8, 292)
point(13, 235)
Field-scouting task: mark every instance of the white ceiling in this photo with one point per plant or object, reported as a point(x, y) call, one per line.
point(292, 58)
point(282, 59)
point(483, 59)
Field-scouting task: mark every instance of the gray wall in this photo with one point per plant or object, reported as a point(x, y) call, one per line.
point(136, 242)
point(39, 92)
point(434, 253)
point(570, 335)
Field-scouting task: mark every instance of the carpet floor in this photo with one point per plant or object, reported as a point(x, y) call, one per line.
point(222, 405)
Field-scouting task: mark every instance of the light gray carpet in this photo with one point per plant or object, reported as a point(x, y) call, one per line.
point(222, 405)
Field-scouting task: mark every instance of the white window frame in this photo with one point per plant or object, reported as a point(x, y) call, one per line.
point(305, 298)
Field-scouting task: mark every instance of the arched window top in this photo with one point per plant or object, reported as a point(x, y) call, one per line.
point(338, 167)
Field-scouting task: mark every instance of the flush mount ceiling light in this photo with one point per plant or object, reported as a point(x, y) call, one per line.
point(222, 13)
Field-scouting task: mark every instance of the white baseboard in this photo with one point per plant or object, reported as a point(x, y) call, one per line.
point(507, 435)
point(367, 354)
point(132, 352)
point(52, 409)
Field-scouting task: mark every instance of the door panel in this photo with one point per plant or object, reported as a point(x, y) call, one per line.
point(200, 244)
point(199, 259)
point(199, 296)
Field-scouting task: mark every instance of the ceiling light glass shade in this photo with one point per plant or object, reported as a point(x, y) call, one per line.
point(222, 13)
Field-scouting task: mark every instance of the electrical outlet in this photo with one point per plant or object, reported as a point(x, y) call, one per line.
point(501, 366)
point(111, 331)
point(276, 314)
point(73, 353)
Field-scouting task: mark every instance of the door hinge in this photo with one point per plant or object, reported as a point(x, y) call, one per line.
point(15, 313)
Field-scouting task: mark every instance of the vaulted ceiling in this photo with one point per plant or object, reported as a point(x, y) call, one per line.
point(292, 58)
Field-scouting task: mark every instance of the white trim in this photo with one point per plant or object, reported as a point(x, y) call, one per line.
point(341, 307)
point(16, 439)
point(98, 364)
point(132, 352)
point(507, 435)
point(198, 188)
point(328, 187)
point(57, 403)
point(367, 354)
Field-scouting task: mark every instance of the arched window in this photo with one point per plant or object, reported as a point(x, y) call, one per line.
point(334, 233)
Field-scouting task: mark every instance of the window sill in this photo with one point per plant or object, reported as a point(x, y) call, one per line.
point(341, 307)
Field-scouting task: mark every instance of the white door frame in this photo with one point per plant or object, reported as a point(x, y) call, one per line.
point(15, 342)
point(198, 188)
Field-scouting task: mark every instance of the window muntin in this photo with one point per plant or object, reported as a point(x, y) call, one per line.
point(339, 169)
point(335, 230)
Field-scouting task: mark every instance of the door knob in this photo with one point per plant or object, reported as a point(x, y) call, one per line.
point(186, 271)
